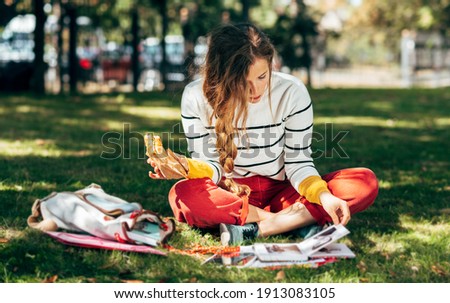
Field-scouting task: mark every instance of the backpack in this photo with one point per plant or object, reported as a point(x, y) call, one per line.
point(94, 212)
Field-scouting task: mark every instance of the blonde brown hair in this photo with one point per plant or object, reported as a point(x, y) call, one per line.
point(232, 49)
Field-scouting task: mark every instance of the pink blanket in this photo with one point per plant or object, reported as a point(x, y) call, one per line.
point(95, 242)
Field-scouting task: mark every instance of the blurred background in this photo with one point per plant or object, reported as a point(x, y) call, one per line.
point(93, 46)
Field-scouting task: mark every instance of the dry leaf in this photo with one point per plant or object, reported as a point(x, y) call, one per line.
point(132, 281)
point(92, 280)
point(364, 280)
point(51, 279)
point(280, 276)
point(414, 268)
point(4, 240)
point(438, 270)
point(362, 266)
point(193, 280)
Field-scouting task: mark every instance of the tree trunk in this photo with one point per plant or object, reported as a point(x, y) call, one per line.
point(307, 60)
point(135, 42)
point(165, 21)
point(38, 79)
point(245, 10)
point(73, 61)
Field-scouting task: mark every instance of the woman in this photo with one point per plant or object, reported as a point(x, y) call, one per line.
point(249, 133)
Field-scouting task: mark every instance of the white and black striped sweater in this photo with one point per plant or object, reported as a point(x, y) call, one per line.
point(277, 141)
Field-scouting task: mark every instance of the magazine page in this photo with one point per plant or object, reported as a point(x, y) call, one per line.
point(322, 239)
point(242, 260)
point(279, 252)
point(337, 250)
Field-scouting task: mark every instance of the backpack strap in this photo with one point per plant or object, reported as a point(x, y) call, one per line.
point(33, 220)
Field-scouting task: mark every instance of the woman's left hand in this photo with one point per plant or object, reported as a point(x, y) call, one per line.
point(335, 207)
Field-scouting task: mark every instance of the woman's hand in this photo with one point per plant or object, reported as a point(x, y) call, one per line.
point(157, 174)
point(169, 166)
point(335, 207)
point(166, 164)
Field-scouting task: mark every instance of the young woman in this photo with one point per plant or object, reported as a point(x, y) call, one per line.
point(249, 132)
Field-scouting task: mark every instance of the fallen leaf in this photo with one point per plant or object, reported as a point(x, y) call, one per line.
point(437, 269)
point(364, 280)
point(414, 268)
point(362, 266)
point(92, 280)
point(4, 240)
point(132, 281)
point(51, 279)
point(193, 280)
point(280, 276)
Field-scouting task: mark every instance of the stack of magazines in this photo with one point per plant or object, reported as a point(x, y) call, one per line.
point(312, 252)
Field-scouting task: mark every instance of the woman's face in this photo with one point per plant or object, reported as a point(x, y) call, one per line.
point(258, 78)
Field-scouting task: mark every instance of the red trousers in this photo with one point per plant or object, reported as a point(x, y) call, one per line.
point(201, 203)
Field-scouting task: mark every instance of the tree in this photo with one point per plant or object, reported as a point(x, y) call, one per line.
point(391, 17)
point(38, 79)
point(292, 36)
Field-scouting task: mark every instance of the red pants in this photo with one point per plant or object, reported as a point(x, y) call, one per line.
point(201, 203)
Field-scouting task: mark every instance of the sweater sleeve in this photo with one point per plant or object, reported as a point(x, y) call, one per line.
point(200, 137)
point(299, 165)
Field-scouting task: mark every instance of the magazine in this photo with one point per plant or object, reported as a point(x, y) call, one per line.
point(336, 250)
point(299, 251)
point(279, 252)
point(312, 252)
point(322, 239)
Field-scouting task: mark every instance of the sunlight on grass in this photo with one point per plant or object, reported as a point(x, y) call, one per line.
point(372, 121)
point(164, 113)
point(10, 187)
point(384, 184)
point(425, 228)
point(25, 109)
point(417, 231)
point(385, 244)
point(39, 147)
point(442, 121)
point(385, 106)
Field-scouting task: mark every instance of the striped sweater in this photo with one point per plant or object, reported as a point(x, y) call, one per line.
point(276, 142)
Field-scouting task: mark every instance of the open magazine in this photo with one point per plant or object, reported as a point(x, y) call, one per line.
point(312, 252)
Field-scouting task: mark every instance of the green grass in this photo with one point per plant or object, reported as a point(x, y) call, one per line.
point(55, 144)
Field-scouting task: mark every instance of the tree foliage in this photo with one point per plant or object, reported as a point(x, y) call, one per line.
point(293, 35)
point(394, 16)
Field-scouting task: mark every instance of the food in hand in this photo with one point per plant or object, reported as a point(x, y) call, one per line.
point(153, 145)
point(170, 164)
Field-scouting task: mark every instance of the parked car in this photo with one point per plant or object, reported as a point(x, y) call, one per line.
point(115, 63)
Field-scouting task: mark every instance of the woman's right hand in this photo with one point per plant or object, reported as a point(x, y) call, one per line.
point(168, 166)
point(157, 175)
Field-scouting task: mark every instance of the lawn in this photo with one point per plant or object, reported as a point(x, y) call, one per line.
point(66, 143)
